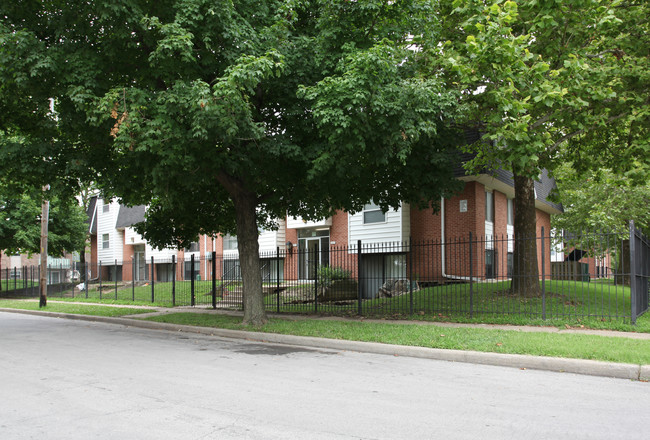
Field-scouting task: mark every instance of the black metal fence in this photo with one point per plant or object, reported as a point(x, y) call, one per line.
point(597, 275)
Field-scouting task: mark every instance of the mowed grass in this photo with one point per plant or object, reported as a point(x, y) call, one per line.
point(562, 299)
point(598, 304)
point(593, 347)
point(165, 294)
point(76, 309)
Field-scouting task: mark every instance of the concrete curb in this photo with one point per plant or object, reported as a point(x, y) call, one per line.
point(576, 366)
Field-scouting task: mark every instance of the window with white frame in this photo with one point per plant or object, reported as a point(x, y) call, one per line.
point(106, 243)
point(193, 247)
point(229, 242)
point(511, 212)
point(107, 205)
point(489, 206)
point(373, 214)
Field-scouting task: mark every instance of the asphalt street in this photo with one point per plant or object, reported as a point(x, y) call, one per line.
point(65, 379)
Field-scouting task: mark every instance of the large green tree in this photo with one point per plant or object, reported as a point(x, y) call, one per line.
point(601, 201)
point(20, 221)
point(548, 81)
point(222, 115)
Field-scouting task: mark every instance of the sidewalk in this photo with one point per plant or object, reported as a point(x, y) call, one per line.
point(523, 362)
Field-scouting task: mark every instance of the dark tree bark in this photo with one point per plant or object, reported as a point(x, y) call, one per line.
point(525, 278)
point(245, 203)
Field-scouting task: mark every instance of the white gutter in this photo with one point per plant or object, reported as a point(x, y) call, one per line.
point(442, 241)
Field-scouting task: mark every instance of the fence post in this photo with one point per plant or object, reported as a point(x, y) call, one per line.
point(410, 279)
point(277, 279)
point(359, 292)
point(100, 280)
point(15, 277)
point(214, 279)
point(72, 265)
point(316, 258)
point(173, 280)
point(633, 290)
point(152, 280)
point(471, 278)
point(115, 279)
point(132, 279)
point(192, 279)
point(86, 265)
point(543, 279)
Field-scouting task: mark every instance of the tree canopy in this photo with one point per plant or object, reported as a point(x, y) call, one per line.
point(549, 81)
point(224, 116)
point(20, 222)
point(601, 200)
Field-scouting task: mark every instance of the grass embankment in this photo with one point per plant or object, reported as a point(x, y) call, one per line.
point(76, 309)
point(610, 349)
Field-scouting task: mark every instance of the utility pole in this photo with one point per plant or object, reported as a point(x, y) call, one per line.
point(45, 213)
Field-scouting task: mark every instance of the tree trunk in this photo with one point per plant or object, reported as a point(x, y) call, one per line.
point(525, 277)
point(45, 212)
point(249, 259)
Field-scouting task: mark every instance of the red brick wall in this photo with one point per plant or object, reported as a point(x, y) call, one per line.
point(339, 230)
point(501, 233)
point(291, 259)
point(127, 262)
point(93, 256)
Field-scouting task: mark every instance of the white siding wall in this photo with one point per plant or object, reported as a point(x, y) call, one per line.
point(299, 223)
point(106, 225)
point(396, 228)
point(159, 254)
point(131, 237)
point(269, 241)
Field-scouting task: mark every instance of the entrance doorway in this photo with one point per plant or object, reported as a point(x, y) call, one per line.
point(140, 263)
point(313, 252)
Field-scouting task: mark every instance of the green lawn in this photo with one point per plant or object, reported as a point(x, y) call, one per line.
point(9, 285)
point(77, 309)
point(606, 305)
point(600, 348)
point(126, 293)
point(562, 299)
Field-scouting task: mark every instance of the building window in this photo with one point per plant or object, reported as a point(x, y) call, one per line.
point(511, 212)
point(107, 205)
point(489, 206)
point(373, 214)
point(231, 270)
point(188, 269)
point(229, 242)
point(106, 243)
point(194, 247)
point(490, 264)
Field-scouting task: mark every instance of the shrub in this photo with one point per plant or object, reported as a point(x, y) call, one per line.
point(327, 274)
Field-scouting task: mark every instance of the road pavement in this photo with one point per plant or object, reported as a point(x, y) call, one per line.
point(71, 379)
